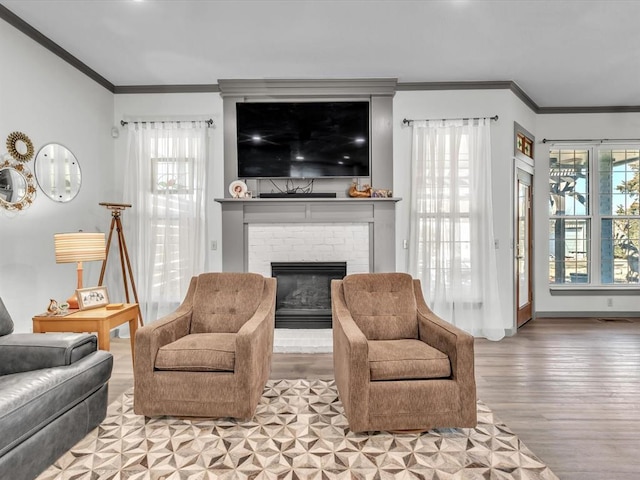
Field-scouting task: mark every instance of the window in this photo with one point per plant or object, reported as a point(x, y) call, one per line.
point(172, 175)
point(171, 187)
point(444, 216)
point(167, 182)
point(594, 216)
point(451, 229)
point(172, 194)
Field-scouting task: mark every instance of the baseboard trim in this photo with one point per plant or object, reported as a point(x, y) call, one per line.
point(590, 314)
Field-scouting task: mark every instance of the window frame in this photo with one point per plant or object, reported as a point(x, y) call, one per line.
point(594, 218)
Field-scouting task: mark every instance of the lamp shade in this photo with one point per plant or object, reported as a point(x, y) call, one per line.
point(79, 247)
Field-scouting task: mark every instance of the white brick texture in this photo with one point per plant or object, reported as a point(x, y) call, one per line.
point(326, 242)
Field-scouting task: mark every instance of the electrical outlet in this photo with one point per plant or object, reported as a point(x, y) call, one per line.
point(214, 244)
point(609, 302)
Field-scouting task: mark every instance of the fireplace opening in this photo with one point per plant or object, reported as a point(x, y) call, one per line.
point(303, 295)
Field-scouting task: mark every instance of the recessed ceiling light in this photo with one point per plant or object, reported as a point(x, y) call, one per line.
point(256, 138)
point(359, 140)
point(299, 157)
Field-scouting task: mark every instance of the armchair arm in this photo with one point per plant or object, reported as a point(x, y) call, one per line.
point(447, 338)
point(254, 343)
point(22, 352)
point(168, 329)
point(151, 337)
point(350, 358)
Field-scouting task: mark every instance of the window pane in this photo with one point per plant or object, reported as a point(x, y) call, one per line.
point(618, 181)
point(619, 250)
point(569, 244)
point(172, 175)
point(569, 182)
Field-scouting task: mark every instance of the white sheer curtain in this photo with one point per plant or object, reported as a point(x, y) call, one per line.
point(165, 183)
point(451, 239)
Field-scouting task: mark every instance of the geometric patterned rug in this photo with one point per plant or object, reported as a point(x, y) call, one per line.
point(299, 431)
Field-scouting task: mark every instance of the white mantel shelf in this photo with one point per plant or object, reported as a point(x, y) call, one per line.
point(309, 199)
point(239, 213)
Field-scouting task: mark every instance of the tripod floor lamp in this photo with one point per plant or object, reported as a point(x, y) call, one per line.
point(125, 263)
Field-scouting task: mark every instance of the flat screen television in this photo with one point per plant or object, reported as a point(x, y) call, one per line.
point(303, 139)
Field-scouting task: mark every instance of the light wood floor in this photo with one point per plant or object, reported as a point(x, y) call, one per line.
point(569, 388)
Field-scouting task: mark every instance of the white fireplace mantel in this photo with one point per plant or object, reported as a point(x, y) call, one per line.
point(238, 214)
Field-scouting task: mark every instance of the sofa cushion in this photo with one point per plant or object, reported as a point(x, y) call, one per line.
point(406, 360)
point(383, 305)
point(223, 302)
point(200, 352)
point(31, 400)
point(6, 324)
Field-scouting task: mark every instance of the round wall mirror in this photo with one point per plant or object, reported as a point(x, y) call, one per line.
point(17, 188)
point(13, 185)
point(58, 172)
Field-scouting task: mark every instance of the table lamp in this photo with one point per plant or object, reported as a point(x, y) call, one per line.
point(79, 247)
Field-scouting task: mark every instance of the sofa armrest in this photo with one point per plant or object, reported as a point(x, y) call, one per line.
point(22, 352)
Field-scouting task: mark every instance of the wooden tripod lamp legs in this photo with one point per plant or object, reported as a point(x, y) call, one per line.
point(116, 209)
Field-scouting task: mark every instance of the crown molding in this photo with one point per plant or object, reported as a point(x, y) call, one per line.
point(526, 99)
point(470, 85)
point(473, 85)
point(604, 109)
point(201, 88)
point(12, 19)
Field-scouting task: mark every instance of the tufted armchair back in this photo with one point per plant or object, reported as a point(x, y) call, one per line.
point(383, 305)
point(223, 302)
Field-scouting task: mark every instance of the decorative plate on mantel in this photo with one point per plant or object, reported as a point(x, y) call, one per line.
point(238, 189)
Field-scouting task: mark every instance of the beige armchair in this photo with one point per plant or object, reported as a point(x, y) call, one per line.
point(212, 356)
point(397, 365)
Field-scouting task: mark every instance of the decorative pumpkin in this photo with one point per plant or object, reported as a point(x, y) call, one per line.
point(365, 192)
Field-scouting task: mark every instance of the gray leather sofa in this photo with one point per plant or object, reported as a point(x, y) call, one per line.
point(53, 391)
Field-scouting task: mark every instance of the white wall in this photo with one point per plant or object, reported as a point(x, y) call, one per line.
point(574, 126)
point(454, 104)
point(179, 106)
point(50, 101)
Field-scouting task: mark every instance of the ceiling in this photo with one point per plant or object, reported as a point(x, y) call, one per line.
point(562, 53)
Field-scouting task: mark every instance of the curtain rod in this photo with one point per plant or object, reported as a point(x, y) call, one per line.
point(408, 121)
point(590, 140)
point(208, 122)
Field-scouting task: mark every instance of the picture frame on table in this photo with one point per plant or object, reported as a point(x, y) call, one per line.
point(93, 297)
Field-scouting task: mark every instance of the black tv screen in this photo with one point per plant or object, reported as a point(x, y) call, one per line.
point(303, 139)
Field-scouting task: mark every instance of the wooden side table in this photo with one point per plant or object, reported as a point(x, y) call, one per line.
point(99, 320)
